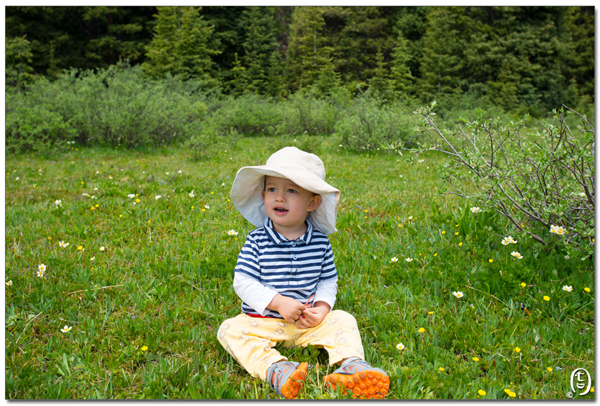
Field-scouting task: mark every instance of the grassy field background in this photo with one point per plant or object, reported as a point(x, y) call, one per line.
point(145, 281)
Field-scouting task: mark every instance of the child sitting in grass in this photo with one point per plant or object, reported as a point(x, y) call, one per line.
point(286, 278)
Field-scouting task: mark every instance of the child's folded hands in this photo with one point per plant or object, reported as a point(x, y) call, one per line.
point(313, 316)
point(290, 309)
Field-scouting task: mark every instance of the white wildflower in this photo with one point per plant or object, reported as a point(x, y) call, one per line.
point(516, 255)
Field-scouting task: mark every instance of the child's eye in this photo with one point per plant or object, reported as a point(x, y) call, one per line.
point(270, 189)
point(291, 191)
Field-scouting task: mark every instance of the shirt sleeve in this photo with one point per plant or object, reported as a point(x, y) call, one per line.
point(327, 286)
point(327, 292)
point(246, 280)
point(253, 293)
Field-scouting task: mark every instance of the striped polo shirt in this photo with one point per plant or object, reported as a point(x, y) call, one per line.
point(292, 268)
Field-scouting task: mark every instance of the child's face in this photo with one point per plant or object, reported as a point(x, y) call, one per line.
point(287, 204)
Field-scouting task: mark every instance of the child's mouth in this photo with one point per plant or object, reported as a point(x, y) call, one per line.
point(280, 210)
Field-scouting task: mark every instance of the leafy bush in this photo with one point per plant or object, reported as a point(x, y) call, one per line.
point(203, 144)
point(308, 114)
point(450, 108)
point(119, 106)
point(249, 114)
point(544, 186)
point(252, 114)
point(33, 127)
point(368, 126)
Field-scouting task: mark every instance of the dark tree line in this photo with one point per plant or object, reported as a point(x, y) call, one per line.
point(520, 58)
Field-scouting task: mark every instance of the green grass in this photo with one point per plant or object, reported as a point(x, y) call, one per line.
point(144, 312)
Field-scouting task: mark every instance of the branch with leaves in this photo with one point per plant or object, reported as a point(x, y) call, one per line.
point(541, 182)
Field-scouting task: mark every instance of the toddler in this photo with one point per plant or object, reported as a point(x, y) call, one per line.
point(286, 278)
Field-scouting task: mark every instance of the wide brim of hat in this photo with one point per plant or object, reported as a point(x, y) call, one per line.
point(247, 198)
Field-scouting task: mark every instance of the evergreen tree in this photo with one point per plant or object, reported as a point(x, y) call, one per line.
point(442, 57)
point(412, 23)
point(275, 85)
point(161, 50)
point(239, 84)
point(182, 45)
point(328, 80)
point(80, 37)
point(401, 79)
point(379, 84)
point(521, 58)
point(229, 33)
point(115, 34)
point(194, 47)
point(308, 46)
point(578, 66)
point(259, 45)
point(18, 59)
point(360, 33)
point(517, 55)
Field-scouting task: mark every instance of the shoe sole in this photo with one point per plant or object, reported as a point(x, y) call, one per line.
point(366, 384)
point(295, 381)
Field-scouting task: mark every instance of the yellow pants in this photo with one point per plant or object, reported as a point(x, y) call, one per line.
point(251, 340)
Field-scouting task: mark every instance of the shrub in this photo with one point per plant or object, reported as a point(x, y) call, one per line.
point(33, 127)
point(544, 186)
point(450, 108)
point(249, 114)
point(204, 143)
point(307, 114)
point(117, 106)
point(369, 126)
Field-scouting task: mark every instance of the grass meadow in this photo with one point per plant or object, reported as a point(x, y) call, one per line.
point(129, 309)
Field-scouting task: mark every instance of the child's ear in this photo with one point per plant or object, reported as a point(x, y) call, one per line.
point(315, 201)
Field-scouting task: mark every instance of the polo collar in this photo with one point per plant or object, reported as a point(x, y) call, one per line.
point(278, 238)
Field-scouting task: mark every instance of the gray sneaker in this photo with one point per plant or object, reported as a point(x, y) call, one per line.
point(287, 378)
point(361, 378)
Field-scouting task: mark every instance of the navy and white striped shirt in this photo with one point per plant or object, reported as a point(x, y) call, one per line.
point(291, 268)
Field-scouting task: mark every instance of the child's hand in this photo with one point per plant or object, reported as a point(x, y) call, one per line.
point(313, 316)
point(290, 309)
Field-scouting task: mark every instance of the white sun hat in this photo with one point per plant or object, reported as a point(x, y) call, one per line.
point(304, 169)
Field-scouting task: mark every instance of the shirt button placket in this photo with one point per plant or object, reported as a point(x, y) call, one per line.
point(294, 257)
